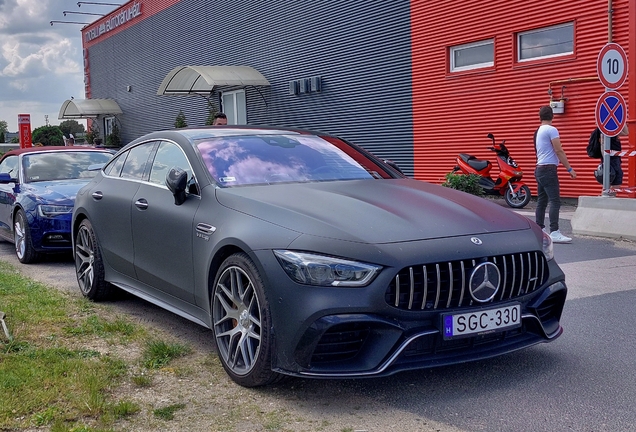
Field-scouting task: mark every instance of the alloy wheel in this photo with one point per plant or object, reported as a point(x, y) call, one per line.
point(84, 259)
point(19, 230)
point(237, 320)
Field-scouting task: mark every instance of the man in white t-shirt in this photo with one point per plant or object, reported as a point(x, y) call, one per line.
point(549, 153)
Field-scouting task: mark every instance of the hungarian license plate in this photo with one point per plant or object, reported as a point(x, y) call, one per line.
point(481, 322)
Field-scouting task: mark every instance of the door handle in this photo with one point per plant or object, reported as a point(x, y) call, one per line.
point(141, 204)
point(97, 195)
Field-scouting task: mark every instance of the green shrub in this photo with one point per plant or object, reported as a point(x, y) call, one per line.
point(180, 121)
point(92, 133)
point(113, 139)
point(464, 182)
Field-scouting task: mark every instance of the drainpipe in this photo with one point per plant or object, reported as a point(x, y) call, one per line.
point(610, 14)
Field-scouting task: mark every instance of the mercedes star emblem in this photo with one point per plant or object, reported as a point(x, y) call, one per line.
point(484, 282)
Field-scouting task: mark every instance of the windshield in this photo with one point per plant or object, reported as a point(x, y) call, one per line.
point(62, 165)
point(266, 159)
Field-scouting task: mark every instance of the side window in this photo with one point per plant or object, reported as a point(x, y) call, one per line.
point(137, 161)
point(169, 155)
point(114, 167)
point(10, 166)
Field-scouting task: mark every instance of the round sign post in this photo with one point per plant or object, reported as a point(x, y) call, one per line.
point(611, 66)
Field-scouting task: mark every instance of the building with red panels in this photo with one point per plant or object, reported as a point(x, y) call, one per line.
point(413, 81)
point(486, 67)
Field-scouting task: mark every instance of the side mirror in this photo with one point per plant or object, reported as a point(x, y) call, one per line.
point(177, 180)
point(5, 178)
point(491, 136)
point(95, 167)
point(393, 165)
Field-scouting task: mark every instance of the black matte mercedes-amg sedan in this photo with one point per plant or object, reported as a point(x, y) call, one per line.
point(308, 256)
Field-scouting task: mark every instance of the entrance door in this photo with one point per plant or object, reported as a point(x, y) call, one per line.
point(235, 107)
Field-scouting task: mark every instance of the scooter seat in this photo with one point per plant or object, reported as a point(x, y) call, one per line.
point(477, 164)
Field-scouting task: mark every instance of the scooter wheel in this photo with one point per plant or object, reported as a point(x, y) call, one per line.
point(520, 199)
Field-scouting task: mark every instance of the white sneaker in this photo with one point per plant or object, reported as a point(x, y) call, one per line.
point(557, 237)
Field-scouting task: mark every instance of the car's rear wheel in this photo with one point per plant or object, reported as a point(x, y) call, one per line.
point(241, 322)
point(22, 239)
point(89, 266)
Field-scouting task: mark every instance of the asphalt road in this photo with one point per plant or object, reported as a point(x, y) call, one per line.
point(583, 381)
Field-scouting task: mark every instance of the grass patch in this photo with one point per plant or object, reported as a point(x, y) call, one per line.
point(159, 353)
point(142, 380)
point(50, 374)
point(167, 413)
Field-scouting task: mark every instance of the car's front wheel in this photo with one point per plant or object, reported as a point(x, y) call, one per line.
point(241, 322)
point(89, 266)
point(22, 238)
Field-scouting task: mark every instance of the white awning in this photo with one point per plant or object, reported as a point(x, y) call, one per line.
point(88, 108)
point(185, 80)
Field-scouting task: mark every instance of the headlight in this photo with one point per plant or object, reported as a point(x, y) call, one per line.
point(311, 269)
point(548, 248)
point(53, 210)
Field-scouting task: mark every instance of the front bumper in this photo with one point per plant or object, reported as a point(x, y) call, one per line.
point(355, 346)
point(368, 332)
point(50, 234)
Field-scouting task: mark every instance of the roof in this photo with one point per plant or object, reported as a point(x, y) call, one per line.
point(86, 108)
point(184, 80)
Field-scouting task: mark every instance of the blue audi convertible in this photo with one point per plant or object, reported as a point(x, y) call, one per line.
point(37, 193)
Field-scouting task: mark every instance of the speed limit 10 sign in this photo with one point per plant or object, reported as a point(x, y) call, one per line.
point(611, 66)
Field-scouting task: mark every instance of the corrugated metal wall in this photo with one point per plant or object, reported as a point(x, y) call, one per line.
point(360, 48)
point(454, 112)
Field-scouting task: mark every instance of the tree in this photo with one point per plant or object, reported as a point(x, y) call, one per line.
point(48, 136)
point(71, 127)
point(3, 128)
point(180, 121)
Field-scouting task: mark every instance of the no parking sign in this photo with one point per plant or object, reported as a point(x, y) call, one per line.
point(611, 113)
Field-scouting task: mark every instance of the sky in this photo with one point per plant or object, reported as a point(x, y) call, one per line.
point(41, 64)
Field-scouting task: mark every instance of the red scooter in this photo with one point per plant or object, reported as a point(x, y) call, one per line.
point(508, 182)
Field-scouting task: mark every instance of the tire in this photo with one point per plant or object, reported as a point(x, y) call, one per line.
point(22, 239)
point(241, 322)
point(520, 200)
point(89, 267)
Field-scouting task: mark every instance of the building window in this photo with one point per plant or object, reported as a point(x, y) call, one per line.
point(234, 106)
point(546, 42)
point(472, 56)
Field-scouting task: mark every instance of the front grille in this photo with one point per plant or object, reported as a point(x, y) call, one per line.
point(444, 285)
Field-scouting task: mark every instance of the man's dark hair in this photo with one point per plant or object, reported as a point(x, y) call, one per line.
point(219, 115)
point(545, 113)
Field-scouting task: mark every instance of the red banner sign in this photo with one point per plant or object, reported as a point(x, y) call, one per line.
point(24, 122)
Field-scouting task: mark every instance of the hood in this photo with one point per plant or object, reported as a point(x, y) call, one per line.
point(61, 192)
point(373, 211)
